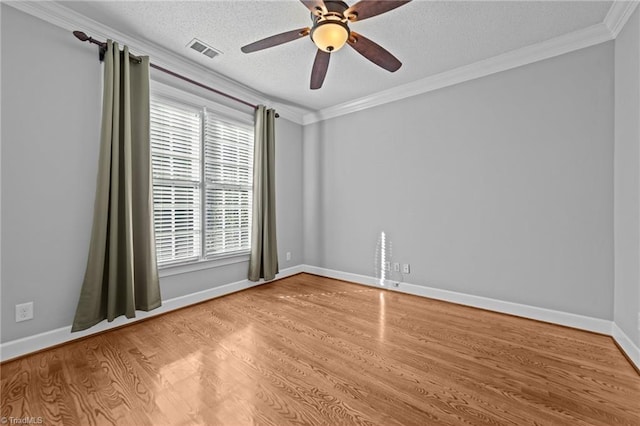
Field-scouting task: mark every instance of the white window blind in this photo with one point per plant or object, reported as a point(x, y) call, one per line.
point(202, 183)
point(228, 153)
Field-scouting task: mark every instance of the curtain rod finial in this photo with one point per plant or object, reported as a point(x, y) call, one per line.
point(81, 36)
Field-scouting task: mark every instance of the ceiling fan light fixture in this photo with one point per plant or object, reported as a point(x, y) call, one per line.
point(329, 34)
point(330, 31)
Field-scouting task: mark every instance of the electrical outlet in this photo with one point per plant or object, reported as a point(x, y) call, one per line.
point(288, 255)
point(396, 267)
point(405, 269)
point(24, 311)
point(638, 321)
point(387, 266)
point(396, 284)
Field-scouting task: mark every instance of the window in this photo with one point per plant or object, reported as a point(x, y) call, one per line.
point(202, 165)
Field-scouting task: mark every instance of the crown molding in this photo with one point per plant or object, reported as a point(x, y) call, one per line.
point(616, 18)
point(618, 15)
point(576, 40)
point(70, 20)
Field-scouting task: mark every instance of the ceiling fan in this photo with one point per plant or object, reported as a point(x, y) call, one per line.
point(330, 31)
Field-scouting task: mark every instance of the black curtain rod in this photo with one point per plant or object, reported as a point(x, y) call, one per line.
point(83, 37)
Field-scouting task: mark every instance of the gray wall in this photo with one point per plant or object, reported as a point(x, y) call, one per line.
point(627, 178)
point(51, 89)
point(498, 187)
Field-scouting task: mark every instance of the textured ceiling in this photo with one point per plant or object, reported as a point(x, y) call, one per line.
point(429, 37)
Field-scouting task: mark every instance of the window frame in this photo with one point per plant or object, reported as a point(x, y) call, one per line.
point(165, 93)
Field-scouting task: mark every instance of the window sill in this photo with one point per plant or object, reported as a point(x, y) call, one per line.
point(200, 265)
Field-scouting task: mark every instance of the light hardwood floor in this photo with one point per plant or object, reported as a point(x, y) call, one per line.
point(311, 350)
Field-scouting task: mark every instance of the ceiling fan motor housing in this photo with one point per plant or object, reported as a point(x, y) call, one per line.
point(330, 30)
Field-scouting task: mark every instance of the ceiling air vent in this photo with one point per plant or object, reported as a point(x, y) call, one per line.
point(201, 47)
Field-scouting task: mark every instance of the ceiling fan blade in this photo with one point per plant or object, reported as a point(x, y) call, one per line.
point(276, 40)
point(366, 9)
point(315, 5)
point(319, 70)
point(374, 52)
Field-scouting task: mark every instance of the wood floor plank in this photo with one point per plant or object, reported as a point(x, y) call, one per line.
point(308, 350)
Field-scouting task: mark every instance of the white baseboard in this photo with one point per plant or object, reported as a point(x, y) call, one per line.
point(20, 347)
point(26, 345)
point(526, 311)
point(627, 345)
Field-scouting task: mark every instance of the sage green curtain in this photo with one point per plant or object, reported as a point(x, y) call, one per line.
point(263, 262)
point(121, 274)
